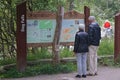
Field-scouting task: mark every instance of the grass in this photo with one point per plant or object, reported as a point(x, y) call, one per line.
point(45, 54)
point(65, 52)
point(108, 62)
point(106, 47)
point(39, 69)
point(7, 61)
point(39, 54)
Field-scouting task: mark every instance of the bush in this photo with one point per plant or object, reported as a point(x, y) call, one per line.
point(106, 47)
point(7, 61)
point(40, 69)
point(108, 62)
point(39, 54)
point(66, 53)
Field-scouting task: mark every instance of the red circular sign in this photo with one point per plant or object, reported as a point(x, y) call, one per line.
point(107, 24)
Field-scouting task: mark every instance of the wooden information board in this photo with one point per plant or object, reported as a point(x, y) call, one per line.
point(41, 27)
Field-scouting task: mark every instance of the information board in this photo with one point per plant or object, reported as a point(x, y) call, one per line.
point(40, 31)
point(69, 29)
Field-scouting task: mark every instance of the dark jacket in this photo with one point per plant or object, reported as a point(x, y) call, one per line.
point(94, 34)
point(81, 42)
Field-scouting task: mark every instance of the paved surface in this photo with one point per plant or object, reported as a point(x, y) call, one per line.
point(104, 73)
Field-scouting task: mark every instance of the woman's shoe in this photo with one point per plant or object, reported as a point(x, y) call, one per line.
point(78, 76)
point(84, 76)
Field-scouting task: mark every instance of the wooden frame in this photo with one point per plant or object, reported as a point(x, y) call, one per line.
point(49, 15)
point(41, 15)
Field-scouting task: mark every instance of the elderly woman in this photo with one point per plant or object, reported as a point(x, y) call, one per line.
point(80, 50)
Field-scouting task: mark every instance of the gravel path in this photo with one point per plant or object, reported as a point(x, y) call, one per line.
point(104, 73)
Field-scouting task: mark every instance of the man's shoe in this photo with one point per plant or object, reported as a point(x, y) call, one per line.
point(90, 74)
point(78, 76)
point(84, 76)
point(96, 74)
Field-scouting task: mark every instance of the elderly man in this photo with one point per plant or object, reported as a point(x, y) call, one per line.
point(80, 50)
point(94, 34)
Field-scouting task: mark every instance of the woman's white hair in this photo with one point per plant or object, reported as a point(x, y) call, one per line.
point(81, 26)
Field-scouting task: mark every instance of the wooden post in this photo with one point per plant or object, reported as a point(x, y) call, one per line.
point(117, 38)
point(21, 37)
point(87, 14)
point(59, 16)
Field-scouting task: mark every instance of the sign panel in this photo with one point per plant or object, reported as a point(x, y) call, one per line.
point(40, 31)
point(69, 29)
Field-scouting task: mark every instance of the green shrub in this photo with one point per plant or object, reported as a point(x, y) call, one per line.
point(7, 61)
point(106, 47)
point(108, 62)
point(40, 54)
point(66, 53)
point(40, 69)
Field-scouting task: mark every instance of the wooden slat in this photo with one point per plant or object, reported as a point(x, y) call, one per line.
point(41, 15)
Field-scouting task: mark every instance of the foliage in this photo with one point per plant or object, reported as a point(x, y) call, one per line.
point(7, 28)
point(101, 9)
point(39, 54)
point(51, 5)
point(7, 61)
point(39, 69)
point(65, 52)
point(108, 62)
point(106, 47)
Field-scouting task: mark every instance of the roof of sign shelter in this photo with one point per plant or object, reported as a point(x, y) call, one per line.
point(51, 15)
point(41, 15)
point(73, 15)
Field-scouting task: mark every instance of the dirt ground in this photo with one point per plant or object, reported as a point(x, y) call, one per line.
point(104, 73)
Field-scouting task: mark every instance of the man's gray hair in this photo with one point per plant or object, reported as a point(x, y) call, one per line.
point(91, 18)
